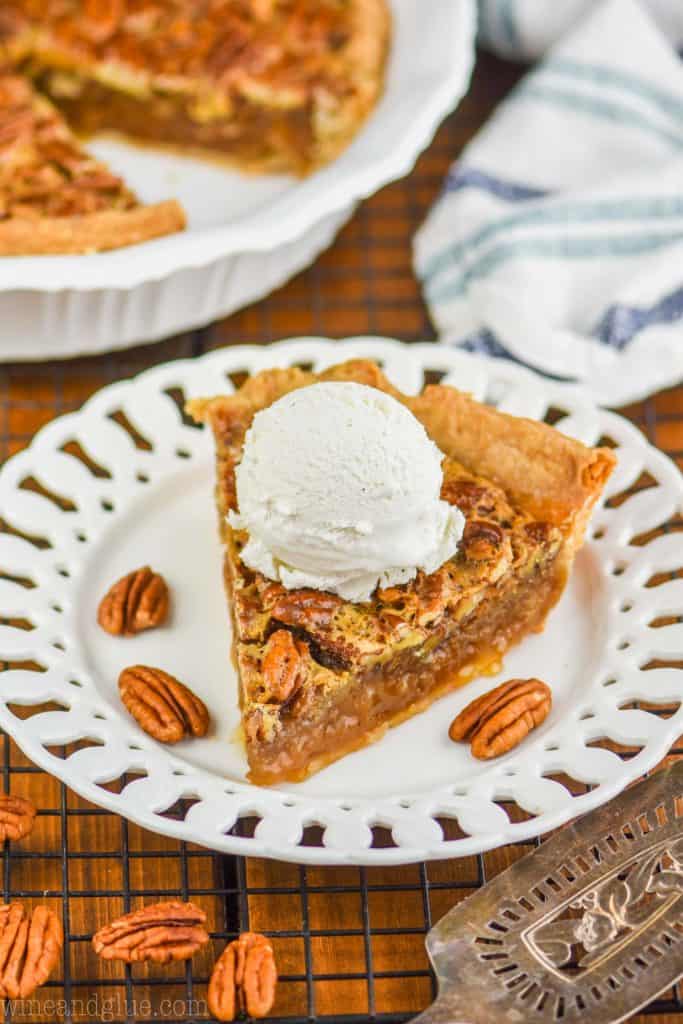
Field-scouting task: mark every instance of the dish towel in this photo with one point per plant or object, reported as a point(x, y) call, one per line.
point(524, 29)
point(558, 237)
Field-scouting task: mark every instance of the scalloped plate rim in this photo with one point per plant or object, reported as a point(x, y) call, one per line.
point(645, 759)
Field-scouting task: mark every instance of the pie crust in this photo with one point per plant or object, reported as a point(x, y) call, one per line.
point(526, 491)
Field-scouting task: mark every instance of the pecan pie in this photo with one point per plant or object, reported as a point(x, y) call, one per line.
point(55, 197)
point(276, 85)
point(320, 676)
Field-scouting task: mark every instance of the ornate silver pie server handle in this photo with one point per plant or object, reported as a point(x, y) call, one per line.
point(588, 927)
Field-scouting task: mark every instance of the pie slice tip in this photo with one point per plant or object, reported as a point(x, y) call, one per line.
point(55, 198)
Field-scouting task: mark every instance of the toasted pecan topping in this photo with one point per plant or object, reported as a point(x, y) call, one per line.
point(482, 539)
point(15, 94)
point(284, 666)
point(432, 597)
point(238, 44)
point(341, 635)
point(11, 23)
point(469, 497)
point(101, 18)
point(43, 170)
point(394, 621)
point(306, 608)
point(390, 595)
point(500, 719)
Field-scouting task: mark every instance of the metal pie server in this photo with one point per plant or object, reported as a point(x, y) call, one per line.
point(588, 927)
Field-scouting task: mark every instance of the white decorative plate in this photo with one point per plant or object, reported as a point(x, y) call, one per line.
point(126, 481)
point(247, 234)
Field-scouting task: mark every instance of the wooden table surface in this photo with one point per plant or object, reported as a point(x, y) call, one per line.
point(349, 942)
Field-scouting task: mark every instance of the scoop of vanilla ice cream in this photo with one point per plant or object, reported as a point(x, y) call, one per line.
point(339, 490)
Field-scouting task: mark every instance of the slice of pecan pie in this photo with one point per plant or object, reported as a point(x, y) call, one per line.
point(275, 85)
point(55, 197)
point(321, 677)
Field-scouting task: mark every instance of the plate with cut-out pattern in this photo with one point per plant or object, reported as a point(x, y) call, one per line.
point(127, 481)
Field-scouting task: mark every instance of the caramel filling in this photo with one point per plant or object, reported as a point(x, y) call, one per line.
point(276, 139)
point(390, 693)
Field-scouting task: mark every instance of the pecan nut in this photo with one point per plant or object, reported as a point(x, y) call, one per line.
point(136, 602)
point(161, 705)
point(284, 666)
point(482, 539)
point(17, 817)
point(101, 18)
point(160, 932)
point(470, 497)
point(496, 722)
point(432, 596)
point(244, 979)
point(305, 608)
point(30, 946)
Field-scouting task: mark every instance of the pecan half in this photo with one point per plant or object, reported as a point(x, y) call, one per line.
point(305, 608)
point(432, 596)
point(482, 539)
point(161, 705)
point(391, 595)
point(137, 601)
point(243, 979)
point(284, 667)
point(499, 720)
point(17, 817)
point(101, 18)
point(30, 946)
point(160, 932)
point(468, 496)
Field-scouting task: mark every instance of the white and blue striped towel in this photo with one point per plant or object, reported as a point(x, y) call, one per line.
point(558, 238)
point(525, 29)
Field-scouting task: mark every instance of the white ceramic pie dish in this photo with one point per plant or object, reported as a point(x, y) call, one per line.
point(155, 505)
point(247, 234)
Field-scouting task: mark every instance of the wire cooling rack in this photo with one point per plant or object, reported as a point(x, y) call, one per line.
point(349, 942)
